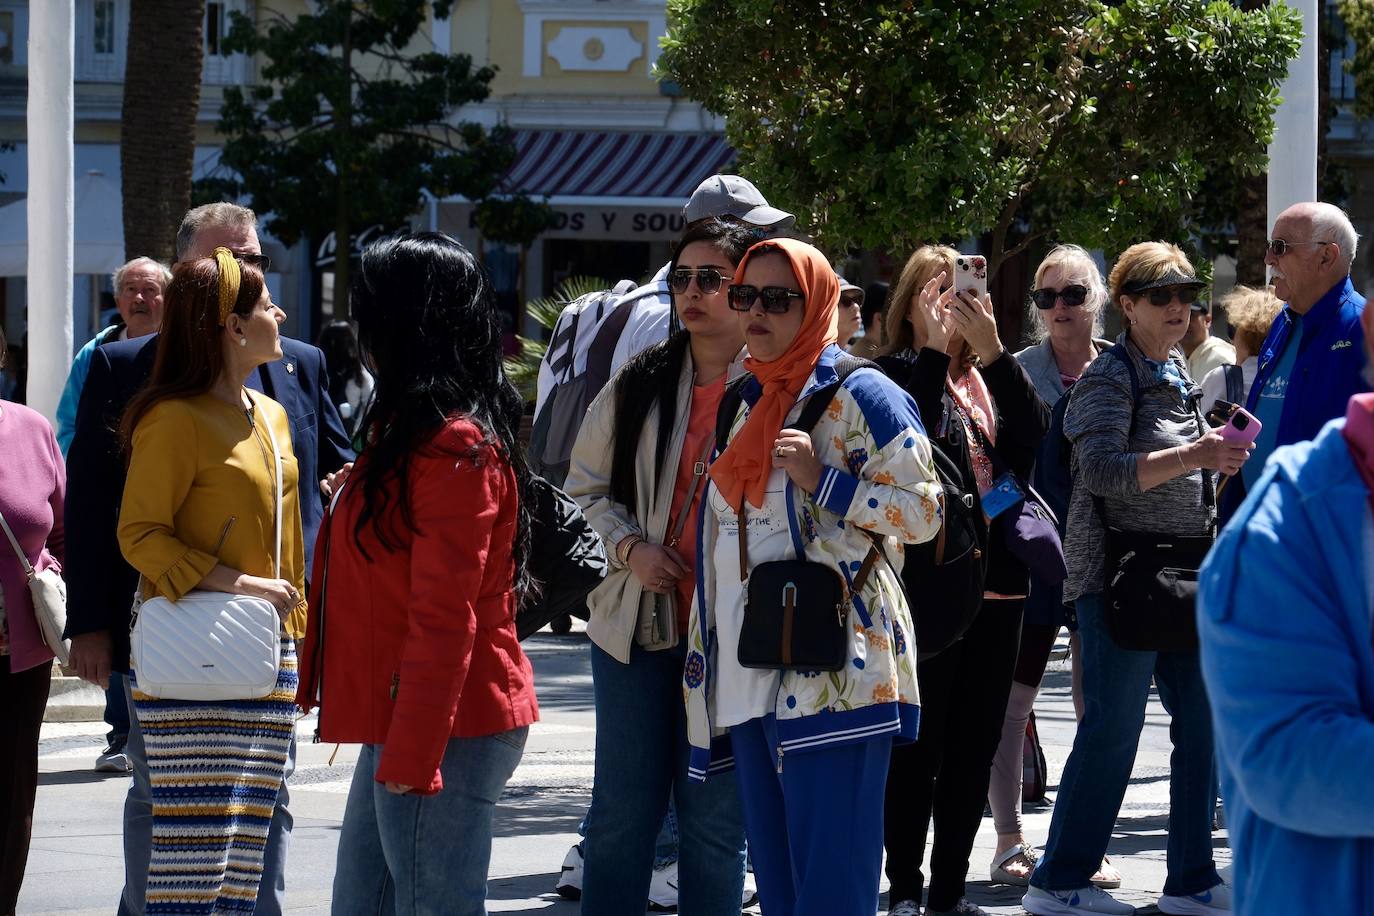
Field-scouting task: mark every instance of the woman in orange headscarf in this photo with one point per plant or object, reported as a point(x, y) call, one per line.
point(843, 495)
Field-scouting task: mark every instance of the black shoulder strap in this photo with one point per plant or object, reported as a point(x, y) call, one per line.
point(1235, 384)
point(729, 406)
point(820, 399)
point(1118, 350)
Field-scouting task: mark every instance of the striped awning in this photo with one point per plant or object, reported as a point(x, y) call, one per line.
point(557, 163)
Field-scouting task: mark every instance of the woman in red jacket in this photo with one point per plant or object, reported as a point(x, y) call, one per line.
point(411, 648)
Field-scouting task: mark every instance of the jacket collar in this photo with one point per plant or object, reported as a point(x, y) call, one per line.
point(1327, 307)
point(824, 374)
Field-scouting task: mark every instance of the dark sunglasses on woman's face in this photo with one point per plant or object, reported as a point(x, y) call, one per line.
point(852, 297)
point(708, 279)
point(1074, 295)
point(776, 299)
point(1163, 296)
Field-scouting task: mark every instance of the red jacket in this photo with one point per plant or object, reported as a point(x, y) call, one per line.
point(418, 645)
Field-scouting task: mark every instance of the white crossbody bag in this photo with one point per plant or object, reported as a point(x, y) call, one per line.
point(49, 600)
point(210, 645)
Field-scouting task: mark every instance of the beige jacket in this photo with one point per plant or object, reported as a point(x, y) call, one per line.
point(615, 603)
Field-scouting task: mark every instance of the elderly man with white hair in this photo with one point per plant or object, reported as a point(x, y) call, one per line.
point(1314, 357)
point(138, 289)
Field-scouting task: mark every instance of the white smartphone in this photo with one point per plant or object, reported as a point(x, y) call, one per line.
point(971, 274)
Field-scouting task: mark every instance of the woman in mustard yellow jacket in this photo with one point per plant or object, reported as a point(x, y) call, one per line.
point(199, 512)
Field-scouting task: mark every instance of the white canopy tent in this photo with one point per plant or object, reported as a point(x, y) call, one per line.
point(99, 229)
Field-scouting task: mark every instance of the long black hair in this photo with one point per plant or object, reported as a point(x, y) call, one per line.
point(652, 376)
point(428, 330)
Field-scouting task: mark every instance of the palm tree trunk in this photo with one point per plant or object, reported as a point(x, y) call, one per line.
point(157, 132)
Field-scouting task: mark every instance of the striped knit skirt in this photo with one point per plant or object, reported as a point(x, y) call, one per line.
point(216, 768)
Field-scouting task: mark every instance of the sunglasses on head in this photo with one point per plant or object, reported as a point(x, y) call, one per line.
point(852, 297)
point(1278, 247)
point(776, 299)
point(708, 279)
point(1074, 295)
point(1166, 294)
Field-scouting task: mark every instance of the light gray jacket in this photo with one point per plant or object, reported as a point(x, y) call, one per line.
point(615, 603)
point(1038, 361)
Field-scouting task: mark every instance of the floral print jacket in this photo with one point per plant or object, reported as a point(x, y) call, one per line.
point(878, 476)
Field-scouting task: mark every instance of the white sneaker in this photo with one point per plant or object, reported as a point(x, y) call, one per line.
point(1214, 901)
point(569, 885)
point(1084, 900)
point(114, 759)
point(905, 908)
point(751, 891)
point(663, 889)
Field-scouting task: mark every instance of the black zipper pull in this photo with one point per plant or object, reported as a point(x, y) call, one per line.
point(395, 685)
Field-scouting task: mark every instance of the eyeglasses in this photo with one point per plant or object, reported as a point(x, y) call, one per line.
point(776, 299)
point(1074, 295)
point(1278, 247)
point(852, 297)
point(1164, 295)
point(708, 279)
point(261, 261)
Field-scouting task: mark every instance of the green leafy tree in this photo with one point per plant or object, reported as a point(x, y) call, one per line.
point(1358, 16)
point(889, 124)
point(353, 118)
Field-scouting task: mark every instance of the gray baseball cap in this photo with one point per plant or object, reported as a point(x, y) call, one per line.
point(731, 195)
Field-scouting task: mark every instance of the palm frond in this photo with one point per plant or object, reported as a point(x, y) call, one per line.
point(523, 369)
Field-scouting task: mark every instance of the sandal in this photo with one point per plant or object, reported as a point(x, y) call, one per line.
point(998, 870)
point(1107, 877)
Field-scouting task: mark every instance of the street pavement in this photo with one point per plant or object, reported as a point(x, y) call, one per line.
point(75, 864)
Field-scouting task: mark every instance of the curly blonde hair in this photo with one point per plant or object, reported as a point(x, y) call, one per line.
point(1250, 312)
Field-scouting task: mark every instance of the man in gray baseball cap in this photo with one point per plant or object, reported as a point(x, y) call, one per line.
point(733, 196)
point(723, 196)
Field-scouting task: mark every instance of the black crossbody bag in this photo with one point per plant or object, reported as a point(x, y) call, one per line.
point(796, 612)
point(1150, 578)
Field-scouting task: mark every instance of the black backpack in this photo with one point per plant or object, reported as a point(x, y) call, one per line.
point(943, 577)
point(566, 556)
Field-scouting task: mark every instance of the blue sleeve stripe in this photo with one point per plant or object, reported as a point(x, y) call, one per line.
point(836, 491)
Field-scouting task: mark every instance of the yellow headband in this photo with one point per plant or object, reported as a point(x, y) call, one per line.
point(229, 278)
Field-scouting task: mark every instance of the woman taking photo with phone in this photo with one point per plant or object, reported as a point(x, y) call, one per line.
point(638, 473)
point(200, 512)
point(945, 350)
point(824, 505)
point(1142, 462)
point(421, 564)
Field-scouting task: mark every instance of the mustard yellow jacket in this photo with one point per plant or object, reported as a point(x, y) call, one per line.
point(200, 491)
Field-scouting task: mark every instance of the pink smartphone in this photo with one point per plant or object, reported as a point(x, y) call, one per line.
point(971, 274)
point(1242, 428)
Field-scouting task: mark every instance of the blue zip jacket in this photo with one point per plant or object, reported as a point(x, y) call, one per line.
point(1284, 618)
point(1328, 370)
point(76, 380)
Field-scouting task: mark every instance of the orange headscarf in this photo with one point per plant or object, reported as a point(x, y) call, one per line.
point(742, 469)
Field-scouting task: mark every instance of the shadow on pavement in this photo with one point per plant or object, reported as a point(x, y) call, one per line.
point(523, 887)
point(76, 777)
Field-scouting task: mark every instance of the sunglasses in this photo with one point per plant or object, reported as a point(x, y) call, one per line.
point(1074, 295)
point(852, 297)
point(1278, 247)
point(776, 299)
point(1164, 295)
point(708, 279)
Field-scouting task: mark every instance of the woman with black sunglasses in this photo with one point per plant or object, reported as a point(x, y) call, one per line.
point(638, 471)
point(973, 394)
point(1141, 453)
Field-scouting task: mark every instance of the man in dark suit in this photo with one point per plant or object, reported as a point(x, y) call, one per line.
point(101, 585)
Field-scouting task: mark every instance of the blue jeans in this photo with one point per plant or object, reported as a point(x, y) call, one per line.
point(1116, 687)
point(665, 844)
point(116, 710)
point(138, 830)
point(641, 759)
point(424, 854)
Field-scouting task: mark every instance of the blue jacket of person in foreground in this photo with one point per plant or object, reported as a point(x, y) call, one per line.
point(1284, 617)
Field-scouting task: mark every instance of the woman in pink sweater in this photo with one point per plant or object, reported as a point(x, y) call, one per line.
point(32, 481)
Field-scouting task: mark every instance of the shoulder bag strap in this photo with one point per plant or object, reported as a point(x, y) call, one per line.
point(276, 459)
point(698, 472)
point(18, 551)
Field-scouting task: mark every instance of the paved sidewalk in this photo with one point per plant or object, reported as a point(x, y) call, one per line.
point(75, 866)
